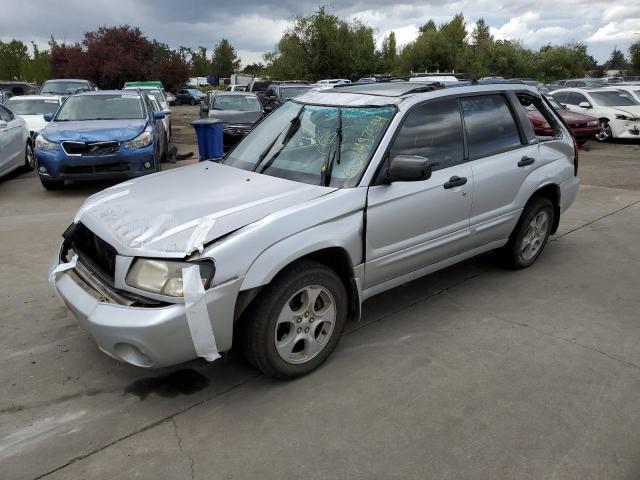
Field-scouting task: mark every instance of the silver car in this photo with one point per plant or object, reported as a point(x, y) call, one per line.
point(335, 197)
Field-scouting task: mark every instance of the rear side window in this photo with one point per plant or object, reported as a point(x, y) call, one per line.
point(433, 131)
point(490, 126)
point(562, 97)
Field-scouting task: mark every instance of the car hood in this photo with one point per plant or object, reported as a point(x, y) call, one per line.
point(573, 117)
point(174, 213)
point(235, 116)
point(94, 130)
point(35, 123)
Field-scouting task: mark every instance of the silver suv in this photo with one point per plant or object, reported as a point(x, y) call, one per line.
point(338, 195)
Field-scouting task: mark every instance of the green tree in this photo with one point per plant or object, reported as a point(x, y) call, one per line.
point(200, 64)
point(257, 69)
point(225, 60)
point(388, 54)
point(13, 56)
point(617, 60)
point(634, 54)
point(36, 68)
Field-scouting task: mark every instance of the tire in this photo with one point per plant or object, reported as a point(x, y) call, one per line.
point(178, 102)
point(29, 157)
point(193, 101)
point(530, 236)
point(605, 133)
point(52, 184)
point(314, 330)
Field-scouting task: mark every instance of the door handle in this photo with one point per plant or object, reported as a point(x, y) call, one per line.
point(455, 182)
point(524, 161)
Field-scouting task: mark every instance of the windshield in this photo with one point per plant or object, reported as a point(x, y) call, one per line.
point(241, 103)
point(150, 91)
point(289, 92)
point(613, 99)
point(63, 88)
point(328, 146)
point(195, 91)
point(101, 107)
point(32, 107)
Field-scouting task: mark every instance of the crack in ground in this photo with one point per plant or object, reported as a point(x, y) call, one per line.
point(412, 304)
point(191, 461)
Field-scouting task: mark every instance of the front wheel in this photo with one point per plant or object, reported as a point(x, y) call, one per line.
point(296, 322)
point(605, 132)
point(29, 157)
point(530, 235)
point(193, 101)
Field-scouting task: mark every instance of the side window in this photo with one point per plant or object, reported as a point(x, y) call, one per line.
point(542, 121)
point(149, 105)
point(490, 126)
point(5, 115)
point(562, 97)
point(433, 131)
point(576, 98)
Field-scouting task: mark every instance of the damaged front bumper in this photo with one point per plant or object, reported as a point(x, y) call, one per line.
point(147, 336)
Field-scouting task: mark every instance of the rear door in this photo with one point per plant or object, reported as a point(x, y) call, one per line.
point(411, 225)
point(500, 159)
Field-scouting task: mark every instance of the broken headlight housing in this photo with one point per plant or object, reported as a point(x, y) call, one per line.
point(141, 141)
point(44, 144)
point(164, 277)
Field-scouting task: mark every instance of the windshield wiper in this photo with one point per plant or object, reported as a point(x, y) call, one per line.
point(327, 166)
point(293, 127)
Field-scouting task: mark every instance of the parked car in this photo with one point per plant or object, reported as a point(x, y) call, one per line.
point(335, 197)
point(259, 87)
point(331, 82)
point(192, 96)
point(171, 98)
point(236, 88)
point(632, 90)
point(66, 86)
point(583, 82)
point(100, 135)
point(617, 111)
point(163, 125)
point(18, 87)
point(239, 111)
point(32, 108)
point(16, 149)
point(583, 127)
point(277, 94)
point(163, 103)
point(4, 96)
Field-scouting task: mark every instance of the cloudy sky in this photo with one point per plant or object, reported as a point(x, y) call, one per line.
point(254, 26)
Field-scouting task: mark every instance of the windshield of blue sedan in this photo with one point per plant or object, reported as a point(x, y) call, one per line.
point(329, 146)
point(63, 88)
point(101, 107)
point(32, 107)
point(241, 103)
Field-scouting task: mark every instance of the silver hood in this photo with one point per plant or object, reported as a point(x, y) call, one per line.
point(174, 213)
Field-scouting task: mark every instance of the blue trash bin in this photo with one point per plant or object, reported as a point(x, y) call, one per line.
point(209, 134)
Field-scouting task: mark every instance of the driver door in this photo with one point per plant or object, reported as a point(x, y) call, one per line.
point(412, 225)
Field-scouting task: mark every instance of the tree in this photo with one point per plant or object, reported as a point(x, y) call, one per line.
point(617, 60)
point(257, 69)
point(481, 35)
point(634, 54)
point(200, 64)
point(388, 54)
point(225, 60)
point(13, 56)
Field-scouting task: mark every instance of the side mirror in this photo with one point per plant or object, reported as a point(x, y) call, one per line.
point(48, 117)
point(409, 168)
point(3, 125)
point(584, 105)
point(158, 115)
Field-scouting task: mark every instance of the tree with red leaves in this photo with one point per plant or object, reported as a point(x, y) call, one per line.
point(111, 56)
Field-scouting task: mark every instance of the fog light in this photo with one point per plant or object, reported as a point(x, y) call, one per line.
point(42, 169)
point(147, 164)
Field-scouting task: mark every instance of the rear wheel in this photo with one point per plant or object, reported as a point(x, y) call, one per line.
point(296, 322)
point(530, 235)
point(178, 101)
point(52, 184)
point(193, 101)
point(29, 157)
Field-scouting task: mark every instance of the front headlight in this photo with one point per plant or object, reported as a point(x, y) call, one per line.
point(620, 116)
point(44, 144)
point(141, 141)
point(164, 277)
point(593, 123)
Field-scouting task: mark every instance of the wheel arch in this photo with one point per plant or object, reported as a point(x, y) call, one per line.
point(550, 191)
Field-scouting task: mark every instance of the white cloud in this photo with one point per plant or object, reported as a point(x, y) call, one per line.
point(617, 31)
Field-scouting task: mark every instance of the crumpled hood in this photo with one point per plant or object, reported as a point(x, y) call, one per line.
point(35, 123)
point(94, 130)
point(574, 117)
point(235, 116)
point(176, 212)
point(630, 111)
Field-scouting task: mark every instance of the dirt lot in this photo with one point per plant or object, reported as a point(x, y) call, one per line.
point(474, 372)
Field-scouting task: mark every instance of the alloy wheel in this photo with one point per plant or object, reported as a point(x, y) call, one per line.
point(605, 132)
point(30, 158)
point(534, 238)
point(305, 324)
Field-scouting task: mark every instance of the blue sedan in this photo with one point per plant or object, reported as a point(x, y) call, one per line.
point(100, 135)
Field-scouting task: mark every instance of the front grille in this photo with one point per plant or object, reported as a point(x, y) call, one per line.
point(97, 254)
point(90, 148)
point(107, 168)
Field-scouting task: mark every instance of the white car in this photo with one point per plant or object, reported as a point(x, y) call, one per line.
point(16, 149)
point(166, 121)
point(618, 111)
point(164, 104)
point(633, 90)
point(32, 108)
point(331, 82)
